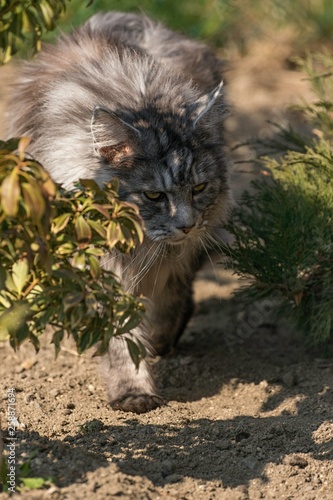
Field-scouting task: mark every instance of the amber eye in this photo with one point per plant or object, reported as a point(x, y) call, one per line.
point(153, 195)
point(199, 188)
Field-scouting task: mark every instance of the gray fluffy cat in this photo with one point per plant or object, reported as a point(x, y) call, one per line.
point(123, 96)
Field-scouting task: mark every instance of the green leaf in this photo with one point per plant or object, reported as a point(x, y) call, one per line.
point(95, 269)
point(56, 340)
point(60, 222)
point(34, 340)
point(113, 234)
point(112, 186)
point(90, 184)
point(20, 274)
point(5, 299)
point(79, 260)
point(98, 252)
point(134, 351)
point(102, 210)
point(92, 304)
point(22, 146)
point(10, 194)
point(82, 229)
point(87, 339)
point(76, 319)
point(20, 334)
point(72, 299)
point(138, 230)
point(97, 227)
point(34, 200)
point(10, 145)
point(25, 467)
point(132, 320)
point(65, 249)
point(35, 483)
point(2, 277)
point(47, 16)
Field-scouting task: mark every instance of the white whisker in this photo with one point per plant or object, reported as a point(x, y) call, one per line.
point(210, 259)
point(161, 255)
point(148, 265)
point(108, 260)
point(220, 246)
point(133, 260)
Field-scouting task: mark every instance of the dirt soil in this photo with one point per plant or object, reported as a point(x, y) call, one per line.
point(249, 411)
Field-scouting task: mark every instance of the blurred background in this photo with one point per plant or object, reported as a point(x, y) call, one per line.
point(233, 25)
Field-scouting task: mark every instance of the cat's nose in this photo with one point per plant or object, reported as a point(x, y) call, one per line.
point(187, 229)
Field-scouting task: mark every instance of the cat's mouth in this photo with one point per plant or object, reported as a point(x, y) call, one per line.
point(179, 238)
point(177, 241)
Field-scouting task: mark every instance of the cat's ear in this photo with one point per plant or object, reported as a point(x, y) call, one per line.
point(200, 107)
point(114, 139)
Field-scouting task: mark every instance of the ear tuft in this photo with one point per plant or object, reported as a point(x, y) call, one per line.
point(204, 103)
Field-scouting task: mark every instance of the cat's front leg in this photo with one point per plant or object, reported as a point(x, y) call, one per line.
point(129, 388)
point(170, 314)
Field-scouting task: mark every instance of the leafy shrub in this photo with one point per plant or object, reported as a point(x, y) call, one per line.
point(22, 19)
point(51, 240)
point(283, 229)
point(51, 243)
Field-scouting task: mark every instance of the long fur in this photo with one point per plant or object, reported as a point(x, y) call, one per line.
point(124, 96)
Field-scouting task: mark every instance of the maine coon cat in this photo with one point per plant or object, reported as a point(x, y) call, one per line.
point(123, 96)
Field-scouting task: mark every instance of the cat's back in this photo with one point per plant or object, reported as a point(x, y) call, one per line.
point(113, 49)
point(188, 57)
point(125, 63)
point(115, 35)
point(99, 63)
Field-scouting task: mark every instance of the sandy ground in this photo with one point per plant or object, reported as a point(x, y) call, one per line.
point(250, 409)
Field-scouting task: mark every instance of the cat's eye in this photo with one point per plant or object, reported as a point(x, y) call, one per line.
point(153, 195)
point(199, 188)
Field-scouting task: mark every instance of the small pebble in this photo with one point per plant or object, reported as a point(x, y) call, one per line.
point(55, 392)
point(174, 478)
point(26, 364)
point(298, 461)
point(187, 360)
point(167, 468)
point(289, 379)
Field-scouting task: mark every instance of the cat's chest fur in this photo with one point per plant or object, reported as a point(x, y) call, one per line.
point(148, 269)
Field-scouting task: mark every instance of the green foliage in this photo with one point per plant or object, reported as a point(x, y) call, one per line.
point(25, 478)
point(224, 23)
point(312, 19)
point(319, 70)
point(208, 19)
point(284, 228)
point(3, 467)
point(21, 20)
point(51, 240)
point(51, 245)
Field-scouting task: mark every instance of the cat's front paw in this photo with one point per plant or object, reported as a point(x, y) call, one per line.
point(138, 403)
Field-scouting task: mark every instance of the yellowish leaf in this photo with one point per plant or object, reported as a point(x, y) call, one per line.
point(10, 193)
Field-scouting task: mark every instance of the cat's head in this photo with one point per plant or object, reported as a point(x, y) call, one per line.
point(171, 165)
